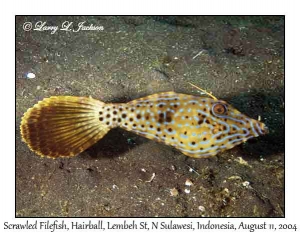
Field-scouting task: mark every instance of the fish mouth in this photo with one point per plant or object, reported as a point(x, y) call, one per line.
point(262, 129)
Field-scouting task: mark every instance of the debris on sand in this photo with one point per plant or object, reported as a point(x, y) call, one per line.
point(188, 182)
point(152, 177)
point(174, 192)
point(30, 75)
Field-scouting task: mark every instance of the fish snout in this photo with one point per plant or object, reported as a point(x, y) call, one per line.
point(265, 129)
point(260, 128)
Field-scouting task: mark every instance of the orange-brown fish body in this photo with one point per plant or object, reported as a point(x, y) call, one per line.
point(197, 126)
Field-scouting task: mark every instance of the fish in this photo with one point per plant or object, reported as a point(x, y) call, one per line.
point(197, 126)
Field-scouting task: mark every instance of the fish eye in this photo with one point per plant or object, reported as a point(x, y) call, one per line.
point(219, 109)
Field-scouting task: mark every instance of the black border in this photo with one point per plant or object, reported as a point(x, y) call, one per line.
point(158, 218)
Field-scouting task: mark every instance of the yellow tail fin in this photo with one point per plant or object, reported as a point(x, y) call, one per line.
point(63, 126)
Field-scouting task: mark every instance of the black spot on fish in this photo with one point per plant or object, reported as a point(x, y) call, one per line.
point(161, 118)
point(168, 119)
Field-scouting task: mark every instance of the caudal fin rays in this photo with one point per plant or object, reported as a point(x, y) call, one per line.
point(63, 126)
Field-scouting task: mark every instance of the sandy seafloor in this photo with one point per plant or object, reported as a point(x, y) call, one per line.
point(240, 60)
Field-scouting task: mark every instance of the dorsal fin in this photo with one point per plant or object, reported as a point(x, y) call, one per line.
point(209, 94)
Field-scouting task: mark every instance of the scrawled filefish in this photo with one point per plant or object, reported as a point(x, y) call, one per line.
point(199, 127)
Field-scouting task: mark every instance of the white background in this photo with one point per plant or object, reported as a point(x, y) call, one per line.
point(292, 103)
